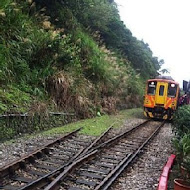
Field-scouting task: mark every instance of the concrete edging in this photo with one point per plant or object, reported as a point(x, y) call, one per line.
point(163, 182)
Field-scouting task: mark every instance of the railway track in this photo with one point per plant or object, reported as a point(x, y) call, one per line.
point(145, 172)
point(99, 168)
point(77, 162)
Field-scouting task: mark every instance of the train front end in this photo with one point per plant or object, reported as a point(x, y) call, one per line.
point(161, 98)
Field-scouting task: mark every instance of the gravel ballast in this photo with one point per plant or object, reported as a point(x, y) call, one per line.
point(146, 170)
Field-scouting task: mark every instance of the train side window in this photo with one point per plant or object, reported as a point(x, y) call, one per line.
point(151, 88)
point(161, 90)
point(172, 89)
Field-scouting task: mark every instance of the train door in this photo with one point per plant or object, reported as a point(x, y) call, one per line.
point(161, 95)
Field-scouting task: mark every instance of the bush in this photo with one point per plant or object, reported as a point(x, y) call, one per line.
point(181, 121)
point(181, 142)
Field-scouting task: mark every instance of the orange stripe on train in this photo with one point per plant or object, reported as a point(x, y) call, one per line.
point(151, 100)
point(169, 101)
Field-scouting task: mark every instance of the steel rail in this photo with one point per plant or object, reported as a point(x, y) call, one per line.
point(11, 167)
point(43, 180)
point(112, 140)
point(97, 140)
point(55, 183)
point(107, 182)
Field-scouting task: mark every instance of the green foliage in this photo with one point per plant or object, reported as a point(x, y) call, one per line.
point(85, 40)
point(10, 96)
point(98, 124)
point(182, 148)
point(102, 20)
point(181, 142)
point(6, 133)
point(18, 126)
point(181, 121)
point(24, 47)
point(91, 57)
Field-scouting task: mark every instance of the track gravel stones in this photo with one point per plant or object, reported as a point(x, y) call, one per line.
point(146, 170)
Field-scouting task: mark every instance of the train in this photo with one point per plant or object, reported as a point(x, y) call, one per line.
point(161, 98)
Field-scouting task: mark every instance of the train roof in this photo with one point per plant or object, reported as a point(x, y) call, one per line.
point(163, 80)
point(164, 77)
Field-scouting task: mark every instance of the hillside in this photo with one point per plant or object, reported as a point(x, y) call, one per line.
point(70, 55)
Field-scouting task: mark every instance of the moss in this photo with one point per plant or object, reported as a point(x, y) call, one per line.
point(13, 99)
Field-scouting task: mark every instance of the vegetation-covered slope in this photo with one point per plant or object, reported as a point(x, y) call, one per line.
point(77, 54)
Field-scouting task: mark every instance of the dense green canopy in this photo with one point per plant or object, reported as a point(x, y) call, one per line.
point(102, 16)
point(79, 44)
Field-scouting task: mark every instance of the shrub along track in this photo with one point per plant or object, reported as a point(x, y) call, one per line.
point(93, 166)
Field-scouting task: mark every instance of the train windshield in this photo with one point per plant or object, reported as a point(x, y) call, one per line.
point(151, 88)
point(161, 90)
point(172, 89)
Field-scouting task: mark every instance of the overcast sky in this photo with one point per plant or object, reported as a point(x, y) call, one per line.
point(165, 26)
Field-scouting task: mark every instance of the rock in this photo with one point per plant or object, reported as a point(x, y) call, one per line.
point(16, 154)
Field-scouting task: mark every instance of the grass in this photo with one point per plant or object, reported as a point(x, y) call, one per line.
point(93, 127)
point(98, 125)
